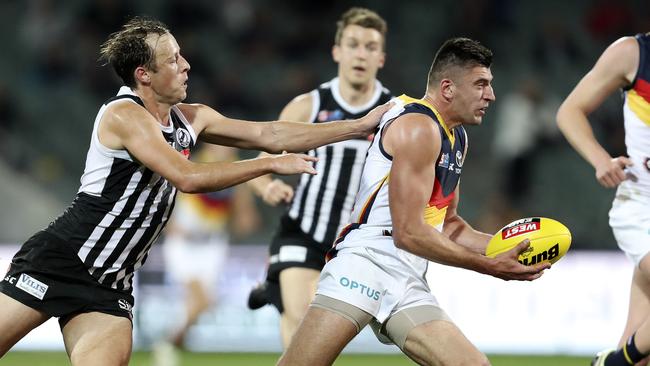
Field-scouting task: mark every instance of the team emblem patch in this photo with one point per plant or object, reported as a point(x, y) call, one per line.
point(183, 138)
point(459, 159)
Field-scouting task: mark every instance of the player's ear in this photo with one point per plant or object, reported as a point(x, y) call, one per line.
point(142, 75)
point(336, 53)
point(382, 60)
point(447, 88)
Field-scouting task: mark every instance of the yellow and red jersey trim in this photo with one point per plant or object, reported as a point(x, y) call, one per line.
point(638, 99)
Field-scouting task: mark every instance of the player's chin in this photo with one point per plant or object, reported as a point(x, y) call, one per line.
point(475, 121)
point(181, 96)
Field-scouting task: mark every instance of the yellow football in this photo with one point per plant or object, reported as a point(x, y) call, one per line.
point(549, 240)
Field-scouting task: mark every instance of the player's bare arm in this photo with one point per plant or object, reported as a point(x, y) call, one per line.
point(276, 136)
point(415, 142)
point(129, 126)
point(274, 191)
point(616, 68)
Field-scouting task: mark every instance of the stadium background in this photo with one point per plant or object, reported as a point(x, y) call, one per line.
point(249, 57)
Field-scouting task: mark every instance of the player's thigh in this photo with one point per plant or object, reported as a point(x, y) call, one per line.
point(298, 286)
point(16, 320)
point(322, 335)
point(98, 339)
point(440, 342)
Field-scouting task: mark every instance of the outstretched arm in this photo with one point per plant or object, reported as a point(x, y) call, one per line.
point(616, 68)
point(275, 191)
point(415, 143)
point(276, 136)
point(129, 126)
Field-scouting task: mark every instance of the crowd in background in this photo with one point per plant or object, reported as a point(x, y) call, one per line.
point(249, 57)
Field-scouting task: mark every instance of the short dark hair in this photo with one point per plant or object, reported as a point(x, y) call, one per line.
point(362, 17)
point(458, 52)
point(127, 48)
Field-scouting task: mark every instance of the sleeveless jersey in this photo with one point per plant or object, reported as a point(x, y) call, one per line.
point(372, 220)
point(636, 111)
point(322, 203)
point(121, 206)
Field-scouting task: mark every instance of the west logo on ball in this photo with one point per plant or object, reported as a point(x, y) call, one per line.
point(520, 227)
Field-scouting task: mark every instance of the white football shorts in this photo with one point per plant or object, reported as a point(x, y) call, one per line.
point(629, 218)
point(377, 282)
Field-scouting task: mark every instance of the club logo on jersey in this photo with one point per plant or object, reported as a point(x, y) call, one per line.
point(459, 159)
point(646, 163)
point(520, 227)
point(32, 286)
point(183, 138)
point(324, 116)
point(444, 161)
point(363, 289)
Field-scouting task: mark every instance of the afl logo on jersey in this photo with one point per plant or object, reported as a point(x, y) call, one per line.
point(183, 138)
point(459, 159)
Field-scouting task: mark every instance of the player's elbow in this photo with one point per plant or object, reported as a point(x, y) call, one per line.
point(186, 180)
point(403, 238)
point(563, 116)
point(185, 185)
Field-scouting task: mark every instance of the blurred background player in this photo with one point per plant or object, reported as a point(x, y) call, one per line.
point(322, 204)
point(623, 65)
point(195, 247)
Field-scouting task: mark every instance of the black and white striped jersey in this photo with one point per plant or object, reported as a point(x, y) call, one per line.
point(121, 206)
point(322, 203)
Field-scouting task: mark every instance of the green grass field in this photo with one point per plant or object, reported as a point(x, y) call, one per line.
point(260, 359)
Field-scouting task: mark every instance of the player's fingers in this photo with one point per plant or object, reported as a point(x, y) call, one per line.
point(306, 157)
point(288, 197)
point(383, 108)
point(310, 170)
point(605, 181)
point(539, 267)
point(287, 193)
point(521, 247)
point(624, 161)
